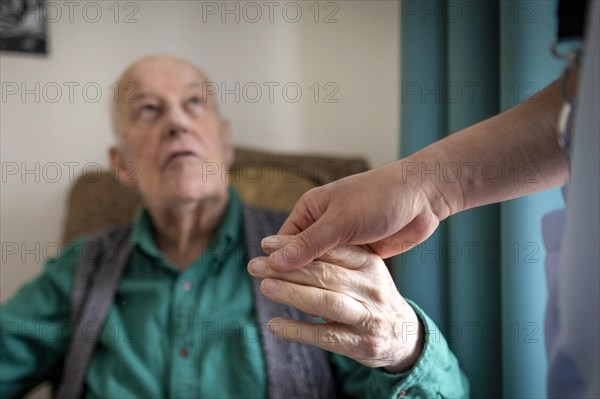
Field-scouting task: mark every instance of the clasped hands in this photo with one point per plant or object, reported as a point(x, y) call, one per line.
point(351, 289)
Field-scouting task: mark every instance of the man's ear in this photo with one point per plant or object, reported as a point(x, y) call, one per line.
point(227, 144)
point(125, 172)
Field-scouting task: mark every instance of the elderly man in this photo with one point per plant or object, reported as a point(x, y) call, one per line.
point(186, 319)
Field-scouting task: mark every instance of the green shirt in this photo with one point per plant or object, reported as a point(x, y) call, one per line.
point(173, 333)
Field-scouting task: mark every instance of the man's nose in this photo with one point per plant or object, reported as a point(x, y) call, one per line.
point(178, 122)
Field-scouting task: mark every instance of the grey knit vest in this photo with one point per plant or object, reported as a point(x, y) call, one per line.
point(293, 370)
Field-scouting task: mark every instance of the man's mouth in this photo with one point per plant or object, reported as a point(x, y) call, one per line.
point(180, 155)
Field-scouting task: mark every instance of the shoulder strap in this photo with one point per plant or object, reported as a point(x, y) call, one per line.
point(293, 370)
point(101, 265)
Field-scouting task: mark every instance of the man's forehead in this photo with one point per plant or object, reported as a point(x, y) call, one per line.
point(157, 71)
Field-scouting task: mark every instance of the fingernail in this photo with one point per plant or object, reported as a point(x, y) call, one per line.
point(271, 286)
point(275, 325)
point(257, 265)
point(270, 242)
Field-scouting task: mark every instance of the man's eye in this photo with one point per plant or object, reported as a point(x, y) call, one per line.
point(195, 101)
point(149, 109)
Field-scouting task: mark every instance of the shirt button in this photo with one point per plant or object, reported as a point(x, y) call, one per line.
point(186, 286)
point(184, 352)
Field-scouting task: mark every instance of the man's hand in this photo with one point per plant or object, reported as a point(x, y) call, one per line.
point(379, 208)
point(351, 289)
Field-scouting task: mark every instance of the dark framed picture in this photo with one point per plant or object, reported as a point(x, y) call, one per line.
point(22, 26)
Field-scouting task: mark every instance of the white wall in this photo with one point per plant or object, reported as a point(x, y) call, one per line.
point(358, 54)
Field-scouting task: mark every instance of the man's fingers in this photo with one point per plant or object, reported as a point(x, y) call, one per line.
point(328, 304)
point(350, 256)
point(331, 337)
point(306, 246)
point(316, 274)
point(345, 256)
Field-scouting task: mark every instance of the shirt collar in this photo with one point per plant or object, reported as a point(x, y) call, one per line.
point(228, 233)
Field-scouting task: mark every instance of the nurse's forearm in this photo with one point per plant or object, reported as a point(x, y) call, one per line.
point(507, 156)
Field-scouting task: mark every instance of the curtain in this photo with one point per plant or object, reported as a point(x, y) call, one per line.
point(481, 275)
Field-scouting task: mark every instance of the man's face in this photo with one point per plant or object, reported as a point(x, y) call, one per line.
point(171, 134)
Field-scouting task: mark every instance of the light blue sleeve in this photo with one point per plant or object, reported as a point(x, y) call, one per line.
point(573, 315)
